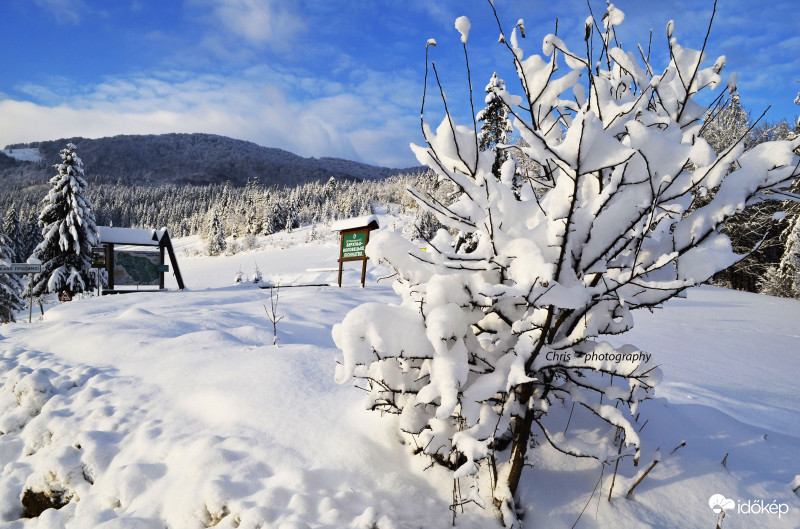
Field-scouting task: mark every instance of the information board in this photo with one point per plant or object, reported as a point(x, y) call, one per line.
point(354, 244)
point(137, 268)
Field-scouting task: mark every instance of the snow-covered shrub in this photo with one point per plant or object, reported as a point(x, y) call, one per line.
point(489, 348)
point(256, 277)
point(249, 242)
point(233, 248)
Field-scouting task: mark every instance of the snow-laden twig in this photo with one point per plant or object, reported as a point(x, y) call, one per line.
point(272, 311)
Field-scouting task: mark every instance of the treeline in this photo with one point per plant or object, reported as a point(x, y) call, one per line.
point(763, 231)
point(258, 209)
point(250, 210)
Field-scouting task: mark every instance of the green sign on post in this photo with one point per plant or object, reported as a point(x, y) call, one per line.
point(354, 235)
point(354, 244)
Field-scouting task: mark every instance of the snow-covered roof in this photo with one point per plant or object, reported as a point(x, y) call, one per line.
point(357, 222)
point(139, 237)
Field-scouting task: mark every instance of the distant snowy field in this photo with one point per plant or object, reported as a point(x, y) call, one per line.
point(174, 409)
point(25, 155)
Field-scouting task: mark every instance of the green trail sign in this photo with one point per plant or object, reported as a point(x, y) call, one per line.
point(354, 244)
point(354, 235)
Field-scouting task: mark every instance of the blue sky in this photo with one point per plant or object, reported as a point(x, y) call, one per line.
point(324, 78)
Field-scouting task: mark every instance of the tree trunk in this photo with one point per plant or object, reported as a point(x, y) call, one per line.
point(520, 440)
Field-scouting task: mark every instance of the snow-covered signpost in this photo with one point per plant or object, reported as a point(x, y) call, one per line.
point(20, 268)
point(487, 347)
point(354, 236)
point(33, 266)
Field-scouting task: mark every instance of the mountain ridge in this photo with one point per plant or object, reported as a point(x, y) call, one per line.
point(181, 159)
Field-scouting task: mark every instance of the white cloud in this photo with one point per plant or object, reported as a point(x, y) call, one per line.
point(257, 22)
point(64, 11)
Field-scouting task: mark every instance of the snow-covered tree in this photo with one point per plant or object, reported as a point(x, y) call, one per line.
point(486, 349)
point(776, 283)
point(10, 285)
point(726, 124)
point(789, 267)
point(292, 220)
point(11, 227)
point(496, 126)
point(31, 236)
point(215, 236)
point(257, 277)
point(69, 231)
point(755, 226)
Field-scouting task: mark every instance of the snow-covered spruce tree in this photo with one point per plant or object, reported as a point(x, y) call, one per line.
point(726, 124)
point(14, 234)
point(215, 236)
point(10, 284)
point(69, 231)
point(31, 236)
point(490, 348)
point(496, 126)
point(755, 227)
point(789, 267)
point(776, 283)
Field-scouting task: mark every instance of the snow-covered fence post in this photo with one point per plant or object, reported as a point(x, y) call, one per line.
point(486, 348)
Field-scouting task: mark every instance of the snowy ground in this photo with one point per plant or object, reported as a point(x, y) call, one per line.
point(175, 409)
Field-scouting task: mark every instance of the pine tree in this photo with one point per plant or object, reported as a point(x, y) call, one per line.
point(292, 220)
point(496, 127)
point(726, 125)
point(31, 236)
point(12, 230)
point(790, 262)
point(775, 283)
point(10, 285)
point(754, 227)
point(216, 243)
point(69, 231)
point(312, 233)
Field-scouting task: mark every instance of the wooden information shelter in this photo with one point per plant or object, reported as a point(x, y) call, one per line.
point(135, 264)
point(354, 237)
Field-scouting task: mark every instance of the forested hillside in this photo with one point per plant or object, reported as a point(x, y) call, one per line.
point(183, 159)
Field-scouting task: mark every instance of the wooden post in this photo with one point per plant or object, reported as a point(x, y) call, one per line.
point(110, 265)
point(161, 262)
point(30, 300)
point(167, 242)
point(341, 245)
point(364, 264)
point(363, 272)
